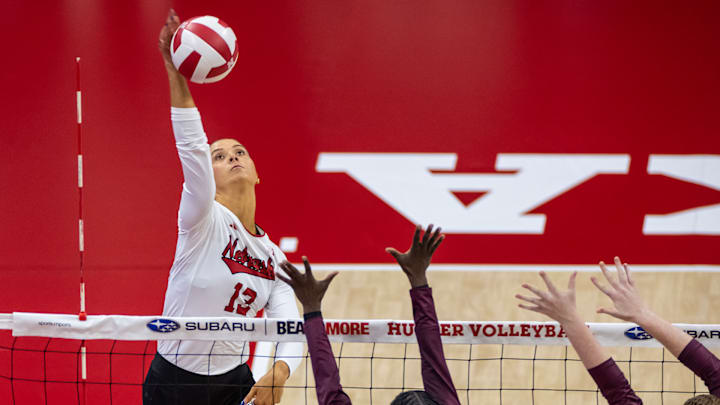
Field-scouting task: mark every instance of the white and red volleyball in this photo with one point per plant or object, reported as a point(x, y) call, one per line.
point(204, 49)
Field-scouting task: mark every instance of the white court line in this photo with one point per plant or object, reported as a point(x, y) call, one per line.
point(638, 268)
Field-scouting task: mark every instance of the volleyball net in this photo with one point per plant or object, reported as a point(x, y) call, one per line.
point(41, 358)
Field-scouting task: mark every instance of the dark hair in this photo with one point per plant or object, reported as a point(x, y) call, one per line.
point(413, 398)
point(705, 399)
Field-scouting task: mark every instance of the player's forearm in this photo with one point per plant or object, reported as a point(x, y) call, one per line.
point(194, 152)
point(327, 375)
point(585, 344)
point(703, 363)
point(435, 373)
point(290, 353)
point(179, 91)
point(664, 332)
point(282, 305)
point(613, 384)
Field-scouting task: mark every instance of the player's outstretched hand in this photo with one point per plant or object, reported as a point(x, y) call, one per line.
point(308, 290)
point(558, 305)
point(625, 297)
point(415, 261)
point(172, 22)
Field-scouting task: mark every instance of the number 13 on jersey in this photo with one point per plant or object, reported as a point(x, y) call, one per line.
point(244, 305)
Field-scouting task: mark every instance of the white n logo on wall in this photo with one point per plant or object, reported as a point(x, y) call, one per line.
point(405, 182)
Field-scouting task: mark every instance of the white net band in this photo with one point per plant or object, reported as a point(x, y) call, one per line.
point(339, 330)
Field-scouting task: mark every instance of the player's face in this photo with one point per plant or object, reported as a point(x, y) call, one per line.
point(232, 164)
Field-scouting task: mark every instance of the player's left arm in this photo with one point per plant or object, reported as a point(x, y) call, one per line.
point(310, 292)
point(269, 388)
point(414, 263)
point(560, 305)
point(629, 306)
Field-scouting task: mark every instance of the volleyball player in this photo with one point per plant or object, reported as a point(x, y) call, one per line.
point(439, 388)
point(629, 307)
point(225, 265)
point(560, 306)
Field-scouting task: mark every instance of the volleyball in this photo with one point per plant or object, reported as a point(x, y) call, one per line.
point(204, 49)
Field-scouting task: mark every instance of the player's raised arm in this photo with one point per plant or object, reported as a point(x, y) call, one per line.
point(629, 306)
point(179, 92)
point(310, 293)
point(435, 374)
point(190, 139)
point(560, 306)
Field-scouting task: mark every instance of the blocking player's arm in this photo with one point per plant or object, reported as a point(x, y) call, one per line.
point(269, 388)
point(414, 263)
point(560, 306)
point(435, 373)
point(327, 376)
point(703, 363)
point(179, 92)
point(629, 306)
point(310, 292)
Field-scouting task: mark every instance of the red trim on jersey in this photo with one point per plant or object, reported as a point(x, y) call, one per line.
point(258, 227)
point(259, 235)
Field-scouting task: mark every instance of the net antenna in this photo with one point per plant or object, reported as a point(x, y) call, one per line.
point(82, 315)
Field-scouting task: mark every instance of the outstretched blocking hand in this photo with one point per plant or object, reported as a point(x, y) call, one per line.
point(308, 290)
point(558, 305)
point(625, 297)
point(415, 261)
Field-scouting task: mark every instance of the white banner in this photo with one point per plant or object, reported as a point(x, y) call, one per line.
point(123, 327)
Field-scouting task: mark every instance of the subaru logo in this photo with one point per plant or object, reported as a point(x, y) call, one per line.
point(637, 333)
point(163, 325)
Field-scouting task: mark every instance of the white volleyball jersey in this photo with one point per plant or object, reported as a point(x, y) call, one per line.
point(220, 269)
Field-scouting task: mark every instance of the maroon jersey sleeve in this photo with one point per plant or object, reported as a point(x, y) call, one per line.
point(703, 363)
point(327, 377)
point(612, 383)
point(435, 374)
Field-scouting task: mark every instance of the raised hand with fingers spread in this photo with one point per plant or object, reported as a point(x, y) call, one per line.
point(438, 384)
point(560, 306)
point(415, 261)
point(308, 290)
point(623, 293)
point(437, 381)
point(628, 306)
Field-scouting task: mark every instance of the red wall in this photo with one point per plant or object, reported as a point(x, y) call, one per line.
point(470, 78)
